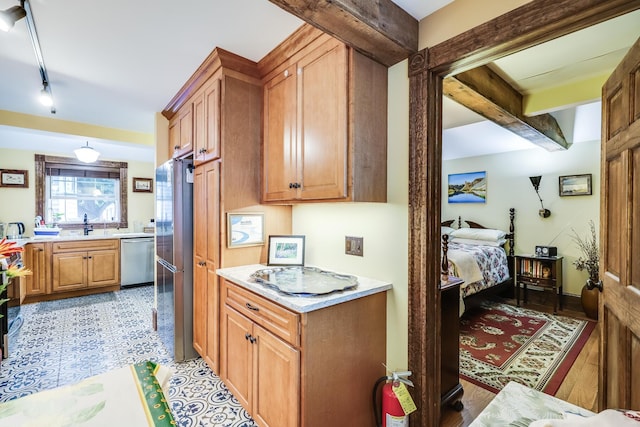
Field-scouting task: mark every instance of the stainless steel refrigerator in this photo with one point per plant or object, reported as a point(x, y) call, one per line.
point(174, 241)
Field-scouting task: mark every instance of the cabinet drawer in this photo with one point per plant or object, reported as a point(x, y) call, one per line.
point(276, 319)
point(85, 245)
point(538, 281)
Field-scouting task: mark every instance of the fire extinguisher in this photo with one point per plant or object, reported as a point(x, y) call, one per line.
point(393, 413)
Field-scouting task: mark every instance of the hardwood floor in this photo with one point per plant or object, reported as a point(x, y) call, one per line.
point(579, 387)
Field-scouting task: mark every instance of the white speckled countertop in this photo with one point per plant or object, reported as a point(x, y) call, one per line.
point(98, 236)
point(301, 304)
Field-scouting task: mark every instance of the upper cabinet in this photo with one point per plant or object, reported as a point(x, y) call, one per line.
point(181, 132)
point(206, 123)
point(324, 122)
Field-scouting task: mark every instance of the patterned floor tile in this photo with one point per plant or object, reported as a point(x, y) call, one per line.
point(64, 341)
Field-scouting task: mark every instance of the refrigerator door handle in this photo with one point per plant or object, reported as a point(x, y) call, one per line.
point(167, 265)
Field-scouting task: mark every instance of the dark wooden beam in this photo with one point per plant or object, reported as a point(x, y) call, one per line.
point(485, 92)
point(379, 29)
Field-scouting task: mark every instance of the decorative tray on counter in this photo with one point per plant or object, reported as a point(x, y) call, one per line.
point(304, 281)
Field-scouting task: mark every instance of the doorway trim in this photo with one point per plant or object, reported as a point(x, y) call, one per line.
point(529, 25)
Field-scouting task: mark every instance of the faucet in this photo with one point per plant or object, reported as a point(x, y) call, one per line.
point(87, 227)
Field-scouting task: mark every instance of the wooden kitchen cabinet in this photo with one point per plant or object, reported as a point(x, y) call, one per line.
point(37, 259)
point(206, 257)
point(293, 369)
point(325, 123)
point(181, 132)
point(79, 265)
point(206, 123)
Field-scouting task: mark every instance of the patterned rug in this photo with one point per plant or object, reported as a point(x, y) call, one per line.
point(501, 343)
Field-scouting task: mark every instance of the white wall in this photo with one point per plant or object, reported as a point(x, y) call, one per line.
point(18, 204)
point(384, 226)
point(508, 186)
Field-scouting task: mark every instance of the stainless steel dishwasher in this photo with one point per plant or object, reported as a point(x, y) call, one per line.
point(136, 261)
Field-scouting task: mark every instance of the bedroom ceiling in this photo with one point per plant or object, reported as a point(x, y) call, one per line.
point(114, 69)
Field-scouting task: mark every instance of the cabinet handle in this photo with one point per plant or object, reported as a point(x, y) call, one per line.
point(247, 336)
point(252, 340)
point(286, 73)
point(291, 185)
point(250, 307)
point(176, 147)
point(202, 263)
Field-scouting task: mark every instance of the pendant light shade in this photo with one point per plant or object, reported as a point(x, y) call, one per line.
point(86, 154)
point(9, 17)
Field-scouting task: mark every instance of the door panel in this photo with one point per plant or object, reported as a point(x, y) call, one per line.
point(236, 356)
point(619, 229)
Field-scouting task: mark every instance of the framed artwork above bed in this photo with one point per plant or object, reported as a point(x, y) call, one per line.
point(468, 187)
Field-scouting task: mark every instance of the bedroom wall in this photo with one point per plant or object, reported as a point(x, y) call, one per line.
point(508, 186)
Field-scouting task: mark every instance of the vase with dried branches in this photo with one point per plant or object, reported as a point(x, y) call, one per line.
point(589, 262)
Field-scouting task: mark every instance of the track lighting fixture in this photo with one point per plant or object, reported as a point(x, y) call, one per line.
point(9, 17)
point(535, 181)
point(86, 154)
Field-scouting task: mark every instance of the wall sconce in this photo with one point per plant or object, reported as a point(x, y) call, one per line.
point(535, 181)
point(9, 17)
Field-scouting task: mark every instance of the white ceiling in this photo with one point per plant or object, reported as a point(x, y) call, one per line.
point(117, 63)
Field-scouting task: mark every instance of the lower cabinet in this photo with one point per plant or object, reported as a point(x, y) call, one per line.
point(310, 369)
point(78, 265)
point(36, 259)
point(261, 370)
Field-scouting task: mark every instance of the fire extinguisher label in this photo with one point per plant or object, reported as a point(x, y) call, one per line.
point(407, 403)
point(393, 421)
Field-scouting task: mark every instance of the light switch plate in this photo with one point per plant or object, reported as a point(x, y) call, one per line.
point(353, 245)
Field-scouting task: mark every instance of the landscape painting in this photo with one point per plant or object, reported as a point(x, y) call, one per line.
point(468, 187)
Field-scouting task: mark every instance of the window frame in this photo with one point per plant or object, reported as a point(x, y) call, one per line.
point(41, 161)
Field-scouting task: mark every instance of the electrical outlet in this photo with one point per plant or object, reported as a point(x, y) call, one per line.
point(353, 245)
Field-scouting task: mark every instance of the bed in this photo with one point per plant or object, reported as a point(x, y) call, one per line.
point(481, 256)
point(131, 396)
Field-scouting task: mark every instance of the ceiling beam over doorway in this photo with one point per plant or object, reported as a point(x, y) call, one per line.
point(486, 93)
point(379, 29)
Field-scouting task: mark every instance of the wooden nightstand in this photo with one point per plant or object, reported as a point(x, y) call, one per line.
point(544, 272)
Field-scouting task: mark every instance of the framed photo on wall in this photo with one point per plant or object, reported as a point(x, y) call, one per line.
point(245, 229)
point(575, 185)
point(143, 185)
point(14, 178)
point(286, 250)
point(468, 187)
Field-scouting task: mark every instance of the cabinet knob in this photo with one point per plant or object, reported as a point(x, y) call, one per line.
point(176, 147)
point(286, 73)
point(252, 340)
point(247, 336)
point(251, 307)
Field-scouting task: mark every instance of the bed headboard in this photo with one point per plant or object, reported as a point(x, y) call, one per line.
point(445, 238)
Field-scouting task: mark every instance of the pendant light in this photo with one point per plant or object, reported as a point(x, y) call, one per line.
point(86, 154)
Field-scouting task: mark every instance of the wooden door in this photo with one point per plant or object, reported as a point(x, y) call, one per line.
point(36, 261)
point(620, 236)
point(236, 357)
point(199, 261)
point(212, 262)
point(322, 122)
point(69, 271)
point(276, 400)
point(279, 159)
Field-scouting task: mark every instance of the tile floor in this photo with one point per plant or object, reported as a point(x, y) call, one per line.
point(61, 342)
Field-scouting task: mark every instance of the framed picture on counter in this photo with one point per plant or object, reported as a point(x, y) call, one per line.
point(14, 178)
point(245, 229)
point(286, 250)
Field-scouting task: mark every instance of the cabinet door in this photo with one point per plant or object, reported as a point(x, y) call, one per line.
point(69, 271)
point(236, 360)
point(322, 122)
point(211, 148)
point(103, 268)
point(279, 137)
point(36, 261)
point(276, 400)
point(181, 132)
point(199, 260)
point(212, 262)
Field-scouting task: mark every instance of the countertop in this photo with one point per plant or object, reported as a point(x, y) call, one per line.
point(241, 276)
point(99, 235)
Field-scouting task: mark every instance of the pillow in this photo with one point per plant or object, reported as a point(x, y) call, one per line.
point(488, 234)
point(446, 230)
point(496, 243)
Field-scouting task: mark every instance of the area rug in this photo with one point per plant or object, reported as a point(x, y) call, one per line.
point(501, 343)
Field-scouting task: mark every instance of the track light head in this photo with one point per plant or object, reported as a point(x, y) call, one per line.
point(9, 17)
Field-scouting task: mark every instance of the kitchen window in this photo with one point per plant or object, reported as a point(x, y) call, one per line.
point(66, 190)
